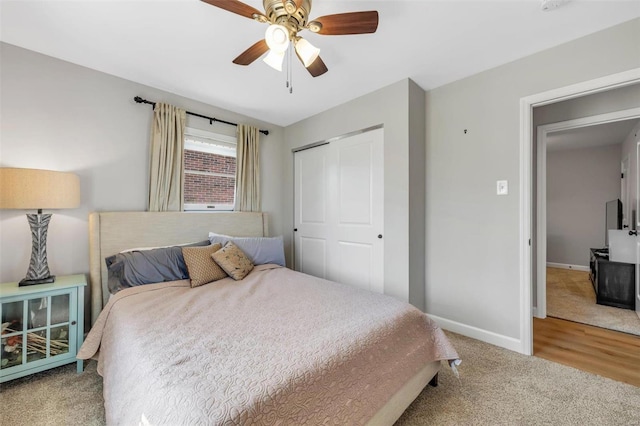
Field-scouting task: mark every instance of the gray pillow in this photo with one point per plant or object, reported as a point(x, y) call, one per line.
point(260, 250)
point(140, 267)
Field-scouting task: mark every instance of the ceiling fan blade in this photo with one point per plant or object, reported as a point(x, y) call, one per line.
point(291, 5)
point(317, 68)
point(347, 23)
point(252, 53)
point(235, 6)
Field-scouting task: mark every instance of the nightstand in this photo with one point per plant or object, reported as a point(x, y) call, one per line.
point(42, 326)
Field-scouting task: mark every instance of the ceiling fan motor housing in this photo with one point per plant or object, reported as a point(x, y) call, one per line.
point(277, 14)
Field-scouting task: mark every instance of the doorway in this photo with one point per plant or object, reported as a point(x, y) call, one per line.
point(583, 165)
point(576, 235)
point(527, 236)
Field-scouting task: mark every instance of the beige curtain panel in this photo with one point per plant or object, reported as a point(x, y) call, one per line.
point(166, 170)
point(248, 169)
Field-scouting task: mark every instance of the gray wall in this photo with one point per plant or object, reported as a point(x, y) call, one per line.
point(403, 177)
point(473, 241)
point(579, 183)
point(60, 116)
point(417, 194)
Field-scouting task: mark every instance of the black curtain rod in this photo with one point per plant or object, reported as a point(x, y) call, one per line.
point(139, 100)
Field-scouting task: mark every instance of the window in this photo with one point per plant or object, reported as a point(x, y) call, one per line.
point(209, 171)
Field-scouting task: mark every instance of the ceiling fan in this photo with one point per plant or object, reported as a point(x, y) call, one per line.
point(286, 18)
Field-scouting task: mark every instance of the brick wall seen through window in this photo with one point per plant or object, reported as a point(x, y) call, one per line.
point(209, 178)
point(209, 171)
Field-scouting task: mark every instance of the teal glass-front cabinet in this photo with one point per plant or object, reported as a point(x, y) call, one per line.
point(42, 326)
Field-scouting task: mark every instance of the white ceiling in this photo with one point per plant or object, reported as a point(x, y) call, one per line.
point(591, 136)
point(186, 46)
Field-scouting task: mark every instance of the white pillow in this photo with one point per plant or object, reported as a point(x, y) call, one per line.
point(260, 250)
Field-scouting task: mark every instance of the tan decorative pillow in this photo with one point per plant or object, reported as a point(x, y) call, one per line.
point(202, 269)
point(233, 261)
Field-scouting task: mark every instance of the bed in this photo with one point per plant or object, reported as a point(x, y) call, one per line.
point(277, 347)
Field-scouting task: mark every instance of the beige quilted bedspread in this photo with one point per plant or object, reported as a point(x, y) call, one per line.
point(278, 347)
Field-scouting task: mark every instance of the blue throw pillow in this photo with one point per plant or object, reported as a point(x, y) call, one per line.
point(260, 250)
point(140, 267)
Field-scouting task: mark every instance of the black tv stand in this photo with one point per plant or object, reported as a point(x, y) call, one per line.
point(613, 282)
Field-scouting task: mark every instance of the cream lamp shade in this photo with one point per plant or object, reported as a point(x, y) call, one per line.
point(307, 52)
point(274, 60)
point(277, 38)
point(38, 189)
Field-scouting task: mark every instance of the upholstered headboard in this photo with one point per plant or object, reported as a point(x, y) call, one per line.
point(112, 232)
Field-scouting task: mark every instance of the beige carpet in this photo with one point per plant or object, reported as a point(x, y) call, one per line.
point(496, 387)
point(570, 296)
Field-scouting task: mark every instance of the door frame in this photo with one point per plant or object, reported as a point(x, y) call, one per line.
point(636, 225)
point(526, 177)
point(624, 192)
point(540, 310)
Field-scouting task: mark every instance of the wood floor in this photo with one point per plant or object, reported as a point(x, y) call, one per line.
point(597, 350)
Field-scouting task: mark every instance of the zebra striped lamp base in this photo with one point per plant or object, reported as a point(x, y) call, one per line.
point(38, 272)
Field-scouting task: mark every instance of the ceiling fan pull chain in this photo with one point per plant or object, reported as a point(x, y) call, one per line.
point(289, 72)
point(286, 77)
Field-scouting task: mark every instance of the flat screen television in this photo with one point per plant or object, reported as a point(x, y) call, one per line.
point(613, 218)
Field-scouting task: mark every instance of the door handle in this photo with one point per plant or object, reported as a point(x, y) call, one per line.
point(295, 229)
point(633, 233)
point(380, 236)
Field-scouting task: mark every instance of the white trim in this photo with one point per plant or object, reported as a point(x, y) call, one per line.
point(624, 192)
point(193, 207)
point(207, 134)
point(196, 172)
point(589, 87)
point(526, 320)
point(591, 120)
point(567, 266)
point(526, 122)
point(210, 142)
point(541, 226)
point(209, 148)
point(478, 333)
point(541, 198)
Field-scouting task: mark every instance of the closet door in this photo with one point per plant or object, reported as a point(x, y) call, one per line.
point(311, 230)
point(345, 179)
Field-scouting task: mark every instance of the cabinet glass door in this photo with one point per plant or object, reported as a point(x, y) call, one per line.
point(36, 329)
point(12, 334)
point(59, 332)
point(36, 343)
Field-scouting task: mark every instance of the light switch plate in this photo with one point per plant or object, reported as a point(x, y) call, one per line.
point(502, 187)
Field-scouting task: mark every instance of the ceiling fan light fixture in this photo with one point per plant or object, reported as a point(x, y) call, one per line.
point(306, 51)
point(274, 59)
point(277, 38)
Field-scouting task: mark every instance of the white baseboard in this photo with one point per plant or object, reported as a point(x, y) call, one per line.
point(479, 334)
point(566, 266)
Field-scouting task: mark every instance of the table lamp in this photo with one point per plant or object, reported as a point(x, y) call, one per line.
point(38, 189)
